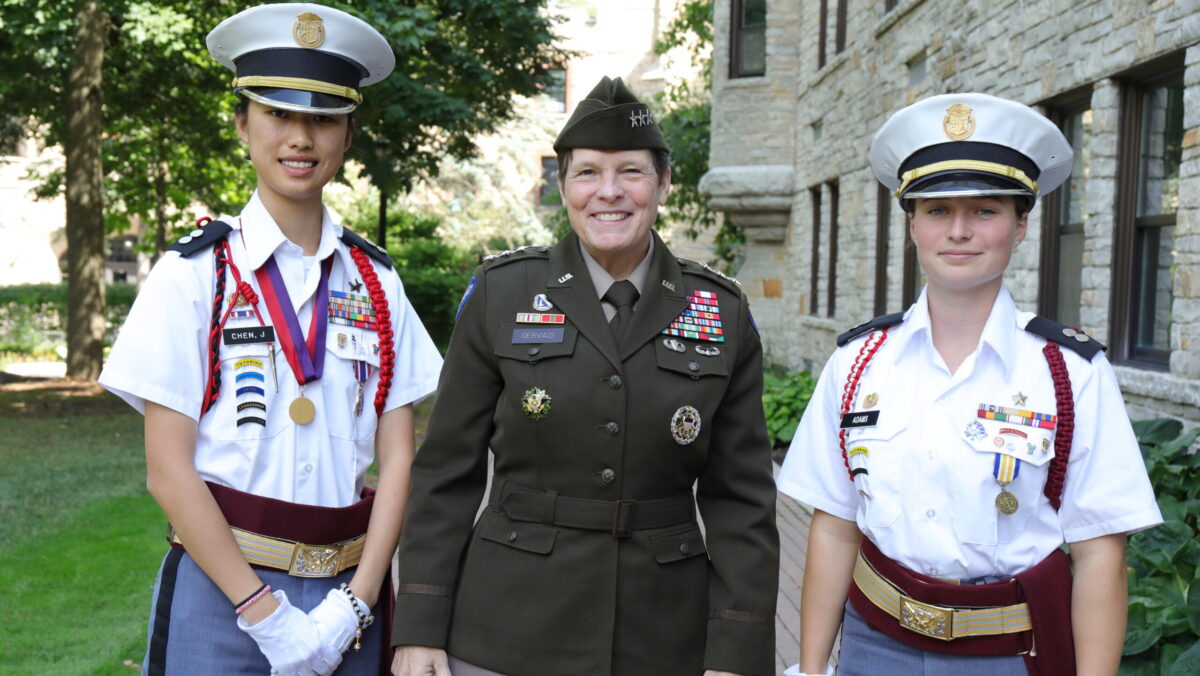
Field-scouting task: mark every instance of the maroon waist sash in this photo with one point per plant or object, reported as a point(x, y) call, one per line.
point(1048, 649)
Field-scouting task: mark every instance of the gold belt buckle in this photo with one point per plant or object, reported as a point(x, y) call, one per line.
point(933, 621)
point(315, 560)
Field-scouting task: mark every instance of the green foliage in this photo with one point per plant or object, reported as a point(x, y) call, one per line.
point(1163, 634)
point(434, 273)
point(686, 124)
point(785, 396)
point(33, 317)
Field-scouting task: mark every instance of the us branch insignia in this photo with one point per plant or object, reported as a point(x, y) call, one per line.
point(536, 403)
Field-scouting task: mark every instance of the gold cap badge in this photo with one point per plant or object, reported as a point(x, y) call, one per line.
point(958, 124)
point(309, 30)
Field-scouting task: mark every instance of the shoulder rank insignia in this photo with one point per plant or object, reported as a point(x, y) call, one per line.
point(1067, 336)
point(509, 252)
point(689, 266)
point(368, 247)
point(201, 238)
point(867, 327)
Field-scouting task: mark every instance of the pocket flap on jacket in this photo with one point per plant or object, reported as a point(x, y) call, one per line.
point(678, 546)
point(530, 537)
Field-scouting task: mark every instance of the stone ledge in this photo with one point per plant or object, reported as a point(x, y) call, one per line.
point(1158, 385)
point(757, 198)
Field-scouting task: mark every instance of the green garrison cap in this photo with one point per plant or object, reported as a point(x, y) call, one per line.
point(611, 118)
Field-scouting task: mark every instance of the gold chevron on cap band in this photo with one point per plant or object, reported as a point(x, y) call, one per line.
point(300, 83)
point(971, 165)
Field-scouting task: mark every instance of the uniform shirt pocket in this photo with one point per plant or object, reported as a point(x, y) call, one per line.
point(691, 358)
point(536, 538)
point(534, 342)
point(881, 448)
point(1033, 447)
point(244, 407)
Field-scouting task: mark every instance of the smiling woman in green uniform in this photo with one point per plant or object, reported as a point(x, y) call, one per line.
point(609, 378)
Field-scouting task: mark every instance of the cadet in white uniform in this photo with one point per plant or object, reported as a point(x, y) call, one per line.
point(275, 357)
point(965, 439)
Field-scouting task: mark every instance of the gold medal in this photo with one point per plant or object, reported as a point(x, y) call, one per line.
point(1006, 502)
point(302, 410)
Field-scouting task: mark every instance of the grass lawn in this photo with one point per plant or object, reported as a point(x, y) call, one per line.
point(80, 539)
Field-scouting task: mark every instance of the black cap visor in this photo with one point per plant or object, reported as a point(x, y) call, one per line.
point(299, 100)
point(965, 184)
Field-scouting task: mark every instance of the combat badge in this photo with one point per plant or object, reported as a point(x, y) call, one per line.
point(685, 425)
point(674, 345)
point(536, 403)
point(708, 350)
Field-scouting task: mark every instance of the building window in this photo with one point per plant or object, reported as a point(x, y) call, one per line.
point(1148, 164)
point(748, 39)
point(883, 214)
point(555, 89)
point(1060, 288)
point(814, 194)
point(839, 31)
point(831, 287)
point(548, 195)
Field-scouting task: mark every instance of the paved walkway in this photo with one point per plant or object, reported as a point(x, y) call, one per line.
point(793, 521)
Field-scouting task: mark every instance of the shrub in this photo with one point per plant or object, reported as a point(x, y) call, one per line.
point(1163, 635)
point(33, 317)
point(785, 396)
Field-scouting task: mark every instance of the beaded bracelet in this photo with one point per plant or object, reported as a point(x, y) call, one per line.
point(258, 594)
point(364, 620)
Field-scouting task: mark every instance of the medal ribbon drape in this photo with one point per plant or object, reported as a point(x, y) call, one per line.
point(309, 363)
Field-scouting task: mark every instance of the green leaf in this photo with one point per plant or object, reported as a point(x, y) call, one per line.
point(1140, 635)
point(1187, 663)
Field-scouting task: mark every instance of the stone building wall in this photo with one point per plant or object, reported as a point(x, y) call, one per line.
point(1033, 52)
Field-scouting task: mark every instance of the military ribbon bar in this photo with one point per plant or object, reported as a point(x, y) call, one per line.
point(1044, 421)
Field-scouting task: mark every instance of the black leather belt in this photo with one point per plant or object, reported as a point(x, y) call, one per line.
point(617, 517)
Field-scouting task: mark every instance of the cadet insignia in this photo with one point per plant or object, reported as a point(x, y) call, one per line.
point(870, 400)
point(341, 340)
point(1018, 399)
point(668, 285)
point(701, 320)
point(355, 285)
point(975, 431)
point(541, 303)
point(674, 345)
point(959, 123)
point(351, 309)
point(308, 31)
point(536, 403)
point(565, 277)
point(248, 361)
point(685, 425)
point(538, 318)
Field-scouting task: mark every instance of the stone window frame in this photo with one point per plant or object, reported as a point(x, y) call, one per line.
point(1126, 269)
point(839, 31)
point(736, 31)
point(1060, 110)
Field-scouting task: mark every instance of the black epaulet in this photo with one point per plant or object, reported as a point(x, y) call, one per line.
point(877, 323)
point(1067, 336)
point(709, 272)
point(368, 247)
point(201, 238)
point(513, 255)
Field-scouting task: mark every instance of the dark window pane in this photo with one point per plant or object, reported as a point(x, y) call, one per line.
point(548, 193)
point(753, 52)
point(1161, 149)
point(754, 13)
point(555, 89)
point(1077, 127)
point(1156, 268)
point(1070, 287)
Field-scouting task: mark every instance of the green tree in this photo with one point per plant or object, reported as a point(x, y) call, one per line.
point(686, 125)
point(166, 136)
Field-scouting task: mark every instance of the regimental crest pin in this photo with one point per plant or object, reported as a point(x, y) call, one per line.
point(975, 431)
point(535, 403)
point(959, 123)
point(541, 303)
point(870, 400)
point(685, 425)
point(309, 30)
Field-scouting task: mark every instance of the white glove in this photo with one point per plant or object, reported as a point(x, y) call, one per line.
point(290, 641)
point(336, 620)
point(794, 670)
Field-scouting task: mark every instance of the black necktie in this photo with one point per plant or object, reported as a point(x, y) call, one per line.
point(623, 295)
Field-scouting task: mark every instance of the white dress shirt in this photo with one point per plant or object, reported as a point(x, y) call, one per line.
point(932, 489)
point(162, 355)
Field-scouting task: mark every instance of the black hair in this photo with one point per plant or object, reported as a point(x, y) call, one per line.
point(662, 162)
point(1022, 204)
point(242, 109)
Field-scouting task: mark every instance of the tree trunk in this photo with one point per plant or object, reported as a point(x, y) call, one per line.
point(85, 212)
point(160, 211)
point(381, 239)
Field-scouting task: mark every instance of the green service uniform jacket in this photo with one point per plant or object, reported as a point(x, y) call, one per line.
point(588, 559)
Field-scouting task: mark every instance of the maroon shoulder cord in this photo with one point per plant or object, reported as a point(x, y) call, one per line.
point(1057, 475)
